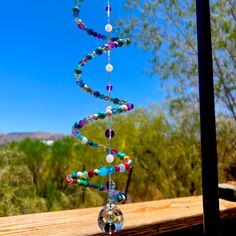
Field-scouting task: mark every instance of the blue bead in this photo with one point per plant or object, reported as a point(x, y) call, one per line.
point(103, 171)
point(114, 111)
point(96, 94)
point(111, 170)
point(100, 187)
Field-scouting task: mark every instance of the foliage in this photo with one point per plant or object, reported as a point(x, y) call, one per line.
point(166, 154)
point(168, 30)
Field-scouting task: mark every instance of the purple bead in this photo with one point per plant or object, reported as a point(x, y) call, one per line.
point(109, 133)
point(99, 36)
point(130, 106)
point(109, 88)
point(114, 151)
point(81, 26)
point(111, 45)
point(82, 123)
point(108, 8)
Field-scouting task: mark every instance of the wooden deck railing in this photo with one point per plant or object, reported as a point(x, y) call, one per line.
point(145, 218)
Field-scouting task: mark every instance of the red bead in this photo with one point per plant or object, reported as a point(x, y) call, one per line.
point(117, 168)
point(91, 173)
point(127, 165)
point(81, 26)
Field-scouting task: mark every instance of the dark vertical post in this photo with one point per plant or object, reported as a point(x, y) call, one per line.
point(207, 117)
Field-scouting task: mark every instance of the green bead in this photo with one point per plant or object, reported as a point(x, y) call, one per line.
point(85, 175)
point(119, 198)
point(128, 41)
point(78, 70)
point(101, 114)
point(119, 109)
point(99, 51)
point(121, 155)
point(89, 57)
point(85, 183)
point(120, 42)
point(74, 175)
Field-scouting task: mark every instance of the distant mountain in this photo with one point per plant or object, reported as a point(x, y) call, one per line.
point(45, 136)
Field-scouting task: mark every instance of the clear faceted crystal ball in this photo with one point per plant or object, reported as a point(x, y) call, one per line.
point(110, 218)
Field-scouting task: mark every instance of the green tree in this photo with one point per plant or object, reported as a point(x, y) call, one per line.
point(168, 30)
point(17, 190)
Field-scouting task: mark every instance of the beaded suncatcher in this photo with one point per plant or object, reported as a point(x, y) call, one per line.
point(110, 218)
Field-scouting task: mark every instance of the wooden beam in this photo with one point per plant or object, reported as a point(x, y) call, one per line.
point(144, 218)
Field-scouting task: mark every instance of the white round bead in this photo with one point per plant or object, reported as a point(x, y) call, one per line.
point(95, 116)
point(108, 28)
point(108, 108)
point(124, 108)
point(122, 167)
point(84, 140)
point(109, 67)
point(109, 158)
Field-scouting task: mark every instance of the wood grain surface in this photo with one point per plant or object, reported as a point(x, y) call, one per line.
point(145, 218)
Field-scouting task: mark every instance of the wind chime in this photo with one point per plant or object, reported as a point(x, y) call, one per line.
point(110, 218)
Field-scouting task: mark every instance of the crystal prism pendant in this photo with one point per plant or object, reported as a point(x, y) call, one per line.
point(110, 218)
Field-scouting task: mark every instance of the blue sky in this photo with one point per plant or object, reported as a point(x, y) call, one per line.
point(40, 45)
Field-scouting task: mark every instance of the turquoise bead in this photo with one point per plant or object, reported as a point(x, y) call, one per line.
point(99, 51)
point(101, 114)
point(103, 171)
point(114, 111)
point(100, 187)
point(74, 175)
point(85, 183)
point(120, 42)
point(78, 70)
point(89, 57)
point(128, 41)
point(121, 155)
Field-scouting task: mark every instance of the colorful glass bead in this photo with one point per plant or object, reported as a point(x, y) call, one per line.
point(111, 170)
point(78, 70)
point(109, 88)
point(84, 140)
point(99, 51)
point(109, 113)
point(128, 41)
point(122, 167)
point(101, 114)
point(103, 171)
point(109, 67)
point(96, 94)
point(121, 197)
point(74, 175)
point(91, 173)
point(114, 151)
point(108, 8)
point(108, 28)
point(89, 57)
point(121, 155)
point(82, 123)
point(117, 168)
point(120, 42)
point(109, 158)
point(109, 133)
